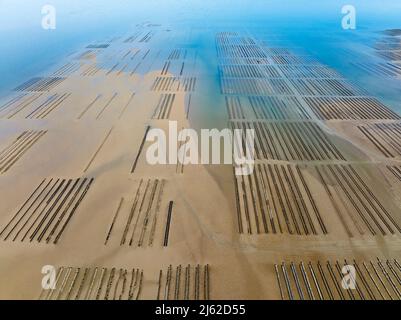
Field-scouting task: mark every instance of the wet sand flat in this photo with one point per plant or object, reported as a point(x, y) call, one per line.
point(77, 192)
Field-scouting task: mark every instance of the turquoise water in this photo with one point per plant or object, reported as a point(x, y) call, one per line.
point(27, 50)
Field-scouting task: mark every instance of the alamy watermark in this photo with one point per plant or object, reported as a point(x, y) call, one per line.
point(237, 146)
point(349, 279)
point(348, 21)
point(48, 17)
point(49, 278)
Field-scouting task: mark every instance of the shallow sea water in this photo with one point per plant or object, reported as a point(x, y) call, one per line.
point(306, 26)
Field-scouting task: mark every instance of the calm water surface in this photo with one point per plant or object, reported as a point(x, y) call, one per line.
point(314, 27)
